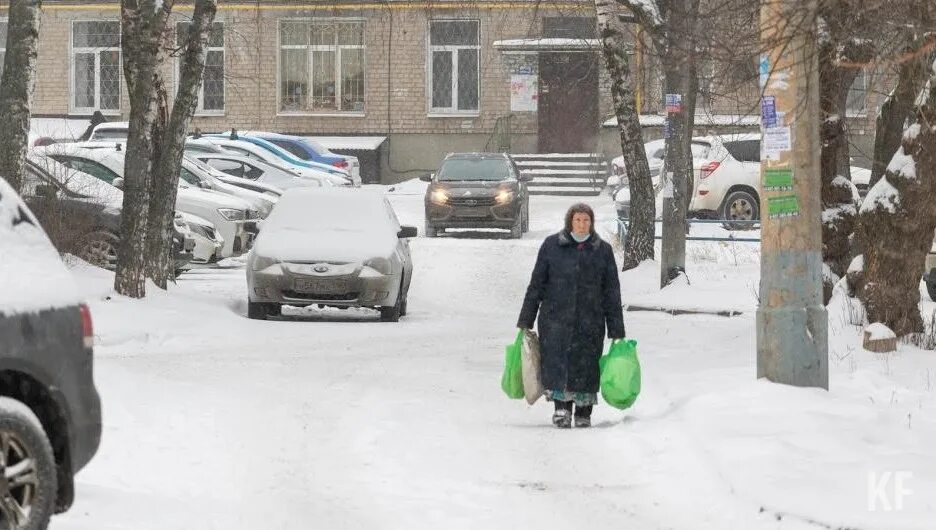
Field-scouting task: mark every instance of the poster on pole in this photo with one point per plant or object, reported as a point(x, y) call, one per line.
point(673, 103)
point(523, 92)
point(784, 206)
point(777, 141)
point(778, 179)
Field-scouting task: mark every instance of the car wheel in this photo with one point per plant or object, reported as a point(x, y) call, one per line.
point(274, 310)
point(28, 483)
point(431, 231)
point(403, 308)
point(257, 310)
point(516, 231)
point(99, 249)
point(740, 206)
point(394, 312)
point(526, 218)
point(931, 289)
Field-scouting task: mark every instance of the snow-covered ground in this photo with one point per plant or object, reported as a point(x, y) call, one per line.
point(332, 420)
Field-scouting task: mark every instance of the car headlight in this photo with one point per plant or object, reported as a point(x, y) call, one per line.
point(263, 262)
point(381, 265)
point(232, 214)
point(439, 197)
point(504, 197)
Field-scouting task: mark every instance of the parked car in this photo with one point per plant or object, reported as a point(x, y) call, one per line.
point(110, 131)
point(332, 247)
point(267, 152)
point(247, 184)
point(83, 213)
point(233, 217)
point(308, 149)
point(50, 411)
point(197, 174)
point(254, 170)
point(208, 244)
point(477, 190)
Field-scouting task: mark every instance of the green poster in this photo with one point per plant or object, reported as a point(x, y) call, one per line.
point(778, 178)
point(785, 206)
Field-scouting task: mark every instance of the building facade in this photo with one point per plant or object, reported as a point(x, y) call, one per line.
point(419, 78)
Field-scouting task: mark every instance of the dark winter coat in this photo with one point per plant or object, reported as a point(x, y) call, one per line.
point(576, 291)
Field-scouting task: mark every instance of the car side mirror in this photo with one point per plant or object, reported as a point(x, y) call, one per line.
point(426, 178)
point(407, 232)
point(525, 177)
point(118, 183)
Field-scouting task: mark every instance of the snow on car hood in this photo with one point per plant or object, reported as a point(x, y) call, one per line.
point(332, 246)
point(208, 198)
point(32, 275)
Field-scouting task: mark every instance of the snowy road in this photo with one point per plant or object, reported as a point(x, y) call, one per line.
point(338, 421)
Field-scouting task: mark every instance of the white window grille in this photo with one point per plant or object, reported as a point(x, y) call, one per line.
point(322, 66)
point(211, 92)
point(454, 66)
point(95, 65)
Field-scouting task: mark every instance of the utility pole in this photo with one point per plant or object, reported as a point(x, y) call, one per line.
point(792, 324)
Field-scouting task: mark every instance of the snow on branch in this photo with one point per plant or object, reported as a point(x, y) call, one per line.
point(648, 13)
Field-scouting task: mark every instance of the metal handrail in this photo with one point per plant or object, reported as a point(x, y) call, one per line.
point(622, 231)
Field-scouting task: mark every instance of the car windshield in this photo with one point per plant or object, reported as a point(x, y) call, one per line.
point(110, 134)
point(492, 169)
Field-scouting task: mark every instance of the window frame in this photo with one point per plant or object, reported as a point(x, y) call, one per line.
point(96, 51)
point(310, 48)
point(865, 76)
point(452, 111)
point(177, 64)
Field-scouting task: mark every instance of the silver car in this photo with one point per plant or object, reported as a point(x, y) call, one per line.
point(335, 247)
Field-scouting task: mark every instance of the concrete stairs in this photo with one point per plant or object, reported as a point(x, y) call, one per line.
point(564, 174)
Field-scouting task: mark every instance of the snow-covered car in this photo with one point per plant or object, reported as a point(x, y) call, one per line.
point(333, 247)
point(267, 152)
point(82, 213)
point(233, 217)
point(110, 131)
point(308, 149)
point(201, 176)
point(209, 245)
point(50, 411)
point(253, 170)
point(252, 185)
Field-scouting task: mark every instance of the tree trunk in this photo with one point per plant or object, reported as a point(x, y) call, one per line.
point(169, 161)
point(158, 186)
point(142, 24)
point(641, 221)
point(16, 87)
point(677, 170)
point(839, 201)
point(897, 222)
point(895, 112)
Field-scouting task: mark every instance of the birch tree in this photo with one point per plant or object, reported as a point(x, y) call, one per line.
point(142, 25)
point(168, 159)
point(641, 222)
point(670, 27)
point(16, 87)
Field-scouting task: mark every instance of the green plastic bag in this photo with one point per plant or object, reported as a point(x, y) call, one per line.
point(512, 380)
point(620, 374)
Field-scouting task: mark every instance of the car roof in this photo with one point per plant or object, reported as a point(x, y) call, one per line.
point(484, 156)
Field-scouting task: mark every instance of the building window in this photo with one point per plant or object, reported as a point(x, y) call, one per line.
point(95, 66)
point(321, 66)
point(856, 103)
point(454, 61)
point(211, 92)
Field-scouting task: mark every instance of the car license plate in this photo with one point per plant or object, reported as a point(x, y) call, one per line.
point(472, 212)
point(322, 285)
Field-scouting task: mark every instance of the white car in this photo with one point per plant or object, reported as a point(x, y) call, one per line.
point(233, 217)
point(655, 152)
point(253, 170)
point(209, 245)
point(197, 174)
point(334, 247)
point(251, 150)
point(309, 150)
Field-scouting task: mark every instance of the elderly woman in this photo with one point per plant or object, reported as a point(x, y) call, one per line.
point(575, 290)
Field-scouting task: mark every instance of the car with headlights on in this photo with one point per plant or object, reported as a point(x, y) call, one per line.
point(477, 190)
point(335, 247)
